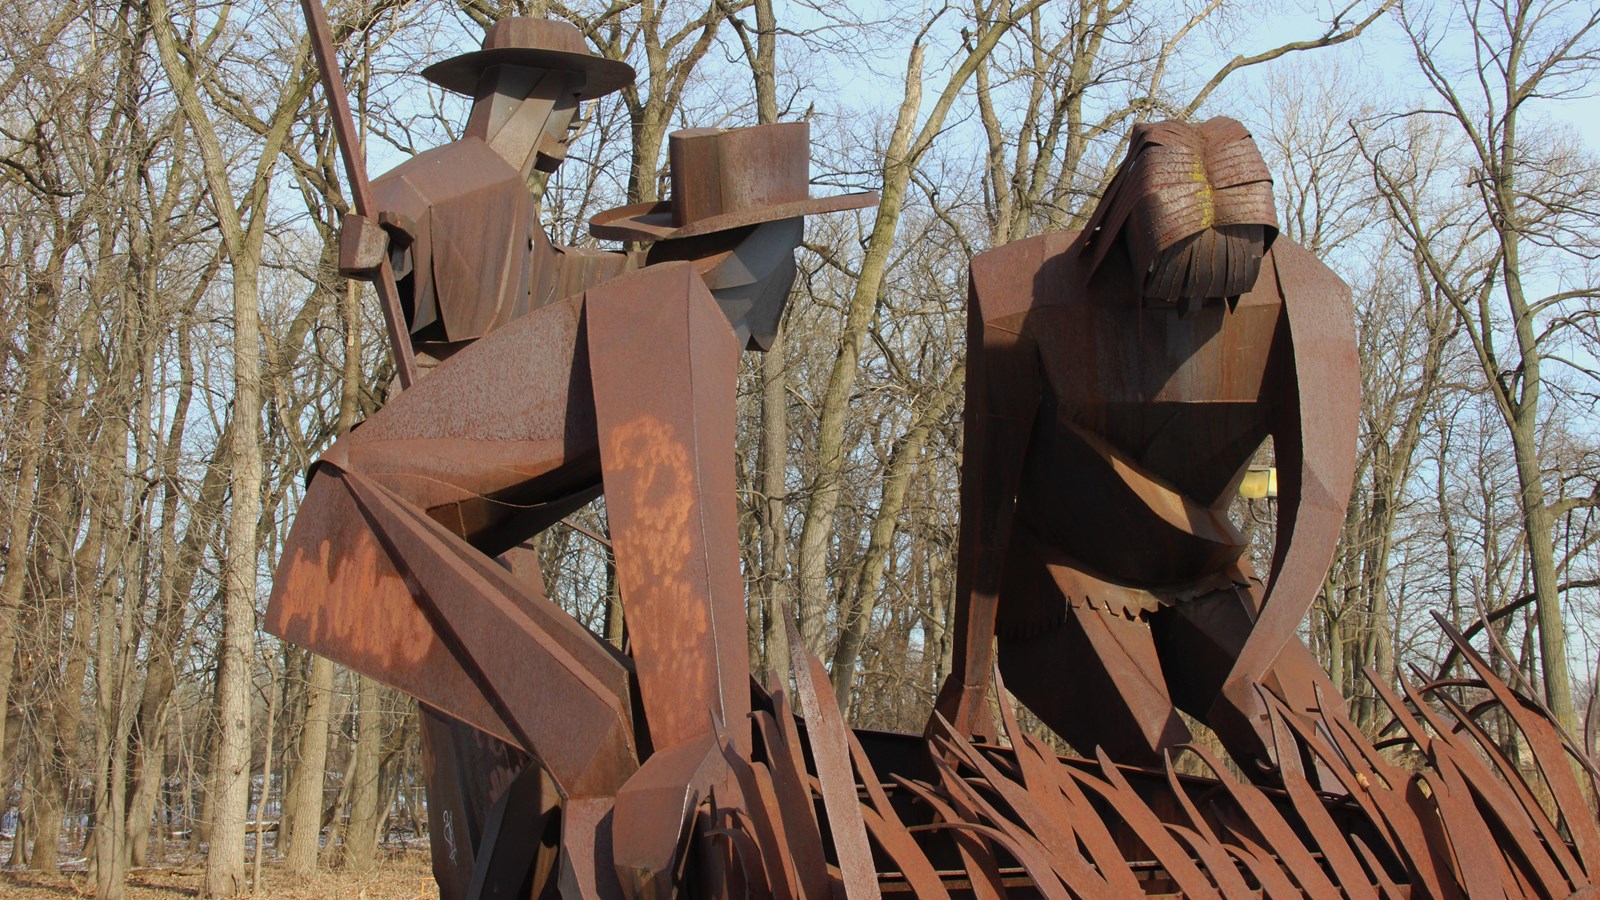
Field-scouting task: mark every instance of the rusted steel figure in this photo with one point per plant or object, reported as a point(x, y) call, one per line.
point(460, 228)
point(459, 221)
point(1120, 379)
point(561, 377)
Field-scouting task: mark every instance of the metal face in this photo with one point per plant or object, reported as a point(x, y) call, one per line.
point(750, 279)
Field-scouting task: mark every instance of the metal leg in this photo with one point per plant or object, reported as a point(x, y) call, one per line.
point(489, 808)
point(664, 364)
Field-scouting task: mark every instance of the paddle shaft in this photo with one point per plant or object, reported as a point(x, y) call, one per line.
point(360, 192)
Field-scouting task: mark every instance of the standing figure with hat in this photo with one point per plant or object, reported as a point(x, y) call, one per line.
point(1120, 380)
point(459, 221)
point(554, 388)
point(462, 230)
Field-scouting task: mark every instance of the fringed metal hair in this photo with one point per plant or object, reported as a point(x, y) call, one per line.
point(1193, 206)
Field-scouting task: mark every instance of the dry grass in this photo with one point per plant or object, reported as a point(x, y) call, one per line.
point(400, 876)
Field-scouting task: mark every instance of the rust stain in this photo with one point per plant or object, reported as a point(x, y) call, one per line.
point(656, 466)
point(352, 602)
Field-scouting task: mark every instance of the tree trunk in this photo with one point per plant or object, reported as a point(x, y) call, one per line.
point(907, 145)
point(22, 838)
point(817, 528)
point(303, 808)
point(243, 240)
point(774, 464)
point(360, 838)
point(230, 768)
point(20, 515)
point(30, 412)
point(869, 573)
point(46, 811)
point(266, 783)
point(63, 729)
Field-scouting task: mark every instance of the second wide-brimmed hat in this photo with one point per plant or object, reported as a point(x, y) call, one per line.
point(537, 44)
point(725, 179)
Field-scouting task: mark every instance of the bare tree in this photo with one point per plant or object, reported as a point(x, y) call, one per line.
point(1530, 199)
point(770, 633)
point(243, 227)
point(909, 141)
point(360, 839)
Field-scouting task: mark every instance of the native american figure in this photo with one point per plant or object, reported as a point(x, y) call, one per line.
point(559, 380)
point(1120, 381)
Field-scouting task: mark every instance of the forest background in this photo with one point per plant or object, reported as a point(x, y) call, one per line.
point(175, 349)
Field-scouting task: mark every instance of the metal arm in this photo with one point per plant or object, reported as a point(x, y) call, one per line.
point(360, 194)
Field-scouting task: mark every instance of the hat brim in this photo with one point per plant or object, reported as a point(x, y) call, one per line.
point(653, 221)
point(601, 75)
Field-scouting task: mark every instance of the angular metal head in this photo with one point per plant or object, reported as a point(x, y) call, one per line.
point(525, 115)
point(526, 83)
point(749, 271)
point(739, 199)
point(1192, 208)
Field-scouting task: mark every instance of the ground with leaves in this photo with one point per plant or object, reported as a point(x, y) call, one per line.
point(401, 876)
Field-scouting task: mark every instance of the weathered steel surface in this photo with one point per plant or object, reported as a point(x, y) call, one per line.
point(997, 821)
point(725, 180)
point(1120, 381)
point(838, 778)
point(654, 815)
point(665, 364)
point(539, 44)
point(491, 807)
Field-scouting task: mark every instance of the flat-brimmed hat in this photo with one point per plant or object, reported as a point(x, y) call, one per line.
point(722, 180)
point(537, 44)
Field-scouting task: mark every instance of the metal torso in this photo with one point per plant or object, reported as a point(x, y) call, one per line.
point(479, 258)
point(480, 261)
point(1155, 416)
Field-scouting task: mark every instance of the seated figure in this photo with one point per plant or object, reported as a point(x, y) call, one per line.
point(624, 386)
point(459, 221)
point(1120, 381)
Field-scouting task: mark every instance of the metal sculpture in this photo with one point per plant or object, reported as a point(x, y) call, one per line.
point(360, 192)
point(550, 375)
point(1438, 809)
point(468, 193)
point(1120, 381)
point(459, 221)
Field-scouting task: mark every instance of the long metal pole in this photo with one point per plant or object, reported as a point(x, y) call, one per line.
point(360, 194)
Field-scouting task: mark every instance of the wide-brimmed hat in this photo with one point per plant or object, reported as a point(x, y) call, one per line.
point(537, 44)
point(725, 179)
